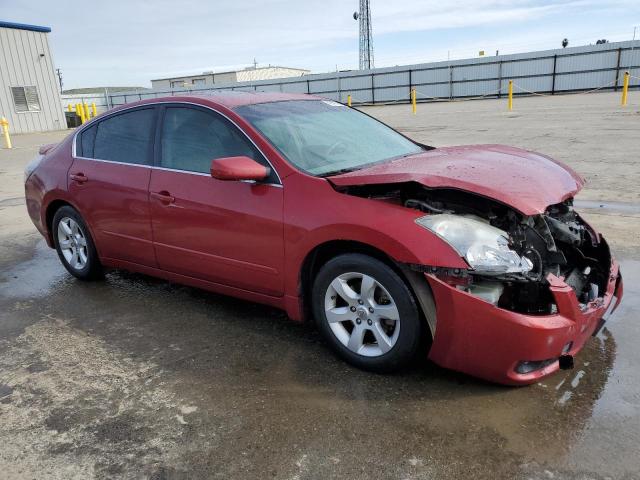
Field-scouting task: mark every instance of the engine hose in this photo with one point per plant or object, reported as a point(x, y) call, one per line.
point(422, 205)
point(538, 257)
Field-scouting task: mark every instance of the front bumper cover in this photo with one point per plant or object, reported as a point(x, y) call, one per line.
point(480, 339)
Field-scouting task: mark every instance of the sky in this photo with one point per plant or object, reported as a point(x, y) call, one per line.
point(128, 42)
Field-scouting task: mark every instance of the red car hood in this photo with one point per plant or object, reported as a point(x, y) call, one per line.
point(527, 181)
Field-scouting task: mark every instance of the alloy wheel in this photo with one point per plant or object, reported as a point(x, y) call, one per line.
point(73, 243)
point(362, 314)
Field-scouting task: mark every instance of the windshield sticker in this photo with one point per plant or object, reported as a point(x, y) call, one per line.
point(332, 103)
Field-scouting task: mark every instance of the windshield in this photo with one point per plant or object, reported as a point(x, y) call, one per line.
point(324, 137)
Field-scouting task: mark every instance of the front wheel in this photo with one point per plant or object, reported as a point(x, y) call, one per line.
point(366, 312)
point(74, 244)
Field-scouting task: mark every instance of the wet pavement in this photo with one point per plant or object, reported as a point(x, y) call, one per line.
point(136, 377)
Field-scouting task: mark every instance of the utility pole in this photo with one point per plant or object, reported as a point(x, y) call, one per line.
point(59, 73)
point(366, 37)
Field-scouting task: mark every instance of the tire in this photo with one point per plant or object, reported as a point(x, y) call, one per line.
point(341, 309)
point(74, 244)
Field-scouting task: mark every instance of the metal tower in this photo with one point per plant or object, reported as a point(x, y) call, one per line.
point(366, 37)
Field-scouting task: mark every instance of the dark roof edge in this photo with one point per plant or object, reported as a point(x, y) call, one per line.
point(24, 26)
point(203, 74)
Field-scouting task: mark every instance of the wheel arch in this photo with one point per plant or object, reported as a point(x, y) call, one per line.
point(50, 212)
point(323, 252)
point(52, 207)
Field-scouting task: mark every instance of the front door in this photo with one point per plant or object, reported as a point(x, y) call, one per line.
point(109, 181)
point(226, 232)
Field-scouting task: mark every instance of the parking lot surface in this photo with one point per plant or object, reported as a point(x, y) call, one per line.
point(133, 377)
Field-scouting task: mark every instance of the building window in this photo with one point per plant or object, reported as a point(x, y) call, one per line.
point(26, 99)
point(199, 82)
point(177, 84)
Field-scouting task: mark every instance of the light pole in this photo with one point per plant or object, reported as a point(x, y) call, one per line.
point(59, 73)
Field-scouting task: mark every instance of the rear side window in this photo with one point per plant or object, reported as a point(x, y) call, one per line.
point(87, 142)
point(125, 138)
point(192, 138)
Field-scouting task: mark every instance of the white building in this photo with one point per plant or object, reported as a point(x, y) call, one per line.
point(209, 79)
point(29, 96)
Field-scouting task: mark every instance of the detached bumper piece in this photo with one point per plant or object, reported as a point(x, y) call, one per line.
point(483, 340)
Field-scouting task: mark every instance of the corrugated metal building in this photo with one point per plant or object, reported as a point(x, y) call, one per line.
point(208, 79)
point(573, 69)
point(29, 96)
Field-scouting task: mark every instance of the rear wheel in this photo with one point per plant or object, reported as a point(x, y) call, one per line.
point(74, 244)
point(366, 312)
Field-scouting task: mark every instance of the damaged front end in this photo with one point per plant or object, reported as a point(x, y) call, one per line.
point(534, 249)
point(510, 255)
point(536, 288)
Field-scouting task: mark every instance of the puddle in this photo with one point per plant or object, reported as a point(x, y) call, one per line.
point(35, 277)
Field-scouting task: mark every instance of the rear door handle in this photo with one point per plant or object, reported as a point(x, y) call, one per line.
point(78, 177)
point(163, 196)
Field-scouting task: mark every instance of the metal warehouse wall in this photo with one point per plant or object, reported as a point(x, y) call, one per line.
point(550, 71)
point(25, 60)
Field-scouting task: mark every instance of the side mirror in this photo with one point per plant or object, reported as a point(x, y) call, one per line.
point(238, 168)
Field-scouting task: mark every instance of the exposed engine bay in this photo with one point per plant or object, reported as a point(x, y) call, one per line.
point(557, 242)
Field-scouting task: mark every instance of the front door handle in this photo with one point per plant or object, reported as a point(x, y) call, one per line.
point(163, 196)
point(78, 177)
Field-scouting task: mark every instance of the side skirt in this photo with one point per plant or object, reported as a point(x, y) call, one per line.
point(277, 302)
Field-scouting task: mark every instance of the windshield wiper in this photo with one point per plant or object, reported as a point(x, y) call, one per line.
point(338, 172)
point(366, 165)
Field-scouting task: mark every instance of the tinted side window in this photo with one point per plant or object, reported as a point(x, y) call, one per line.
point(191, 138)
point(87, 141)
point(125, 138)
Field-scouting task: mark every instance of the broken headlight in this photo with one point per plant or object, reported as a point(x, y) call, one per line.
point(485, 248)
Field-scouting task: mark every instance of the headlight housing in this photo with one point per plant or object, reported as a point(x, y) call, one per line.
point(484, 247)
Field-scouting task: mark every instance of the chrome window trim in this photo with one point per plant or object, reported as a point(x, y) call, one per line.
point(182, 171)
point(165, 102)
point(153, 167)
point(114, 162)
point(201, 174)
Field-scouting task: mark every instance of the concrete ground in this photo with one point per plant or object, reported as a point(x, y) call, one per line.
point(134, 377)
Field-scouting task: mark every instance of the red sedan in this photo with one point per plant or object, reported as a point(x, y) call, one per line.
point(471, 255)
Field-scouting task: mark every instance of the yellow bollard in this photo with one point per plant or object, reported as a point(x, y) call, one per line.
point(510, 95)
point(349, 100)
point(94, 110)
point(5, 132)
point(413, 100)
point(80, 112)
point(86, 111)
point(625, 89)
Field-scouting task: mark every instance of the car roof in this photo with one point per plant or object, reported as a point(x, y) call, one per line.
point(231, 99)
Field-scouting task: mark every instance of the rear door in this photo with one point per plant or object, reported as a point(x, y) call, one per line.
point(226, 232)
point(109, 182)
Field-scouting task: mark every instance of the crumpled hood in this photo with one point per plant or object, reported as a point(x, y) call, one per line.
point(528, 182)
